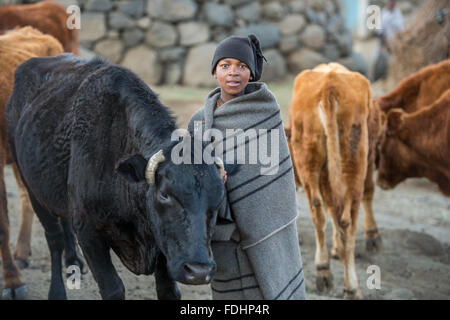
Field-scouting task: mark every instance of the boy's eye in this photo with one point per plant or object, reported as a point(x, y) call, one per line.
point(224, 65)
point(243, 66)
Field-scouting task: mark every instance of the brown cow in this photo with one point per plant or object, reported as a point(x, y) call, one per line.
point(32, 41)
point(46, 16)
point(419, 89)
point(417, 145)
point(333, 129)
point(16, 47)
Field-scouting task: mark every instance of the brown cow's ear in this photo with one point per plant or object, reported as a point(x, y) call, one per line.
point(394, 120)
point(287, 132)
point(379, 103)
point(383, 118)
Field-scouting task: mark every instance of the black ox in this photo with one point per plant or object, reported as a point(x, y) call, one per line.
point(77, 128)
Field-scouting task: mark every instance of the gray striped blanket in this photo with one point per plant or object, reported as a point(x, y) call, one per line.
point(255, 244)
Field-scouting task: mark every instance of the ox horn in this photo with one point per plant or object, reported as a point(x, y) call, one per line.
point(221, 166)
point(152, 165)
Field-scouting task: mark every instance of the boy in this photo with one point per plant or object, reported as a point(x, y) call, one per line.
point(255, 244)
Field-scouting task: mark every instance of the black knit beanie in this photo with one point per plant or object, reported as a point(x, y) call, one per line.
point(245, 49)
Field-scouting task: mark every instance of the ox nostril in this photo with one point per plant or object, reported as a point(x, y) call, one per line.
point(198, 273)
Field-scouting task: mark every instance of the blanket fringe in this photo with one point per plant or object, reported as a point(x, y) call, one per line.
point(270, 234)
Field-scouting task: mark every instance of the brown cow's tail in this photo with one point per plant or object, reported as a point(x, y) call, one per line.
point(328, 107)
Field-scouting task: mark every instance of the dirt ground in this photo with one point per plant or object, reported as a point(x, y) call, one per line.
point(413, 219)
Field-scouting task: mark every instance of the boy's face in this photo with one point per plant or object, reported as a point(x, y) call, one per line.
point(391, 5)
point(233, 76)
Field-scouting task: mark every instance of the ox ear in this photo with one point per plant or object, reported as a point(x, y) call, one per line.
point(394, 120)
point(132, 168)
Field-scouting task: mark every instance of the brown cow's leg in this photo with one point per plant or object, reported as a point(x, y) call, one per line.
point(287, 131)
point(373, 239)
point(351, 287)
point(324, 279)
point(334, 248)
point(327, 196)
point(309, 160)
point(13, 285)
point(23, 247)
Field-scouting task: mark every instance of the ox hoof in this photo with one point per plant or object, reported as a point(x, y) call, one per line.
point(374, 245)
point(172, 293)
point(22, 263)
point(324, 283)
point(334, 253)
point(118, 294)
point(77, 261)
point(19, 293)
point(354, 294)
point(324, 278)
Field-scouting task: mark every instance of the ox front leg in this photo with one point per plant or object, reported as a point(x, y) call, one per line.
point(373, 238)
point(97, 255)
point(166, 288)
point(23, 246)
point(55, 240)
point(71, 255)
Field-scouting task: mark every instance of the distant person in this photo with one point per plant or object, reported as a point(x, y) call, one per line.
point(391, 23)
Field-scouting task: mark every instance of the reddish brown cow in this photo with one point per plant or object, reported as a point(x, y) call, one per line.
point(332, 133)
point(417, 145)
point(46, 16)
point(16, 47)
point(419, 89)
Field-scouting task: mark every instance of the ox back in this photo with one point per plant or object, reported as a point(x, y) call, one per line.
point(69, 121)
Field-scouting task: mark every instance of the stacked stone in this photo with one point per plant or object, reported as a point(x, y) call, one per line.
point(172, 41)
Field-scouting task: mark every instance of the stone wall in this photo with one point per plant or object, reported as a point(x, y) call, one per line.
point(172, 41)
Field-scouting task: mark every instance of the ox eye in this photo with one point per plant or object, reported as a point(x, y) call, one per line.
point(164, 197)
